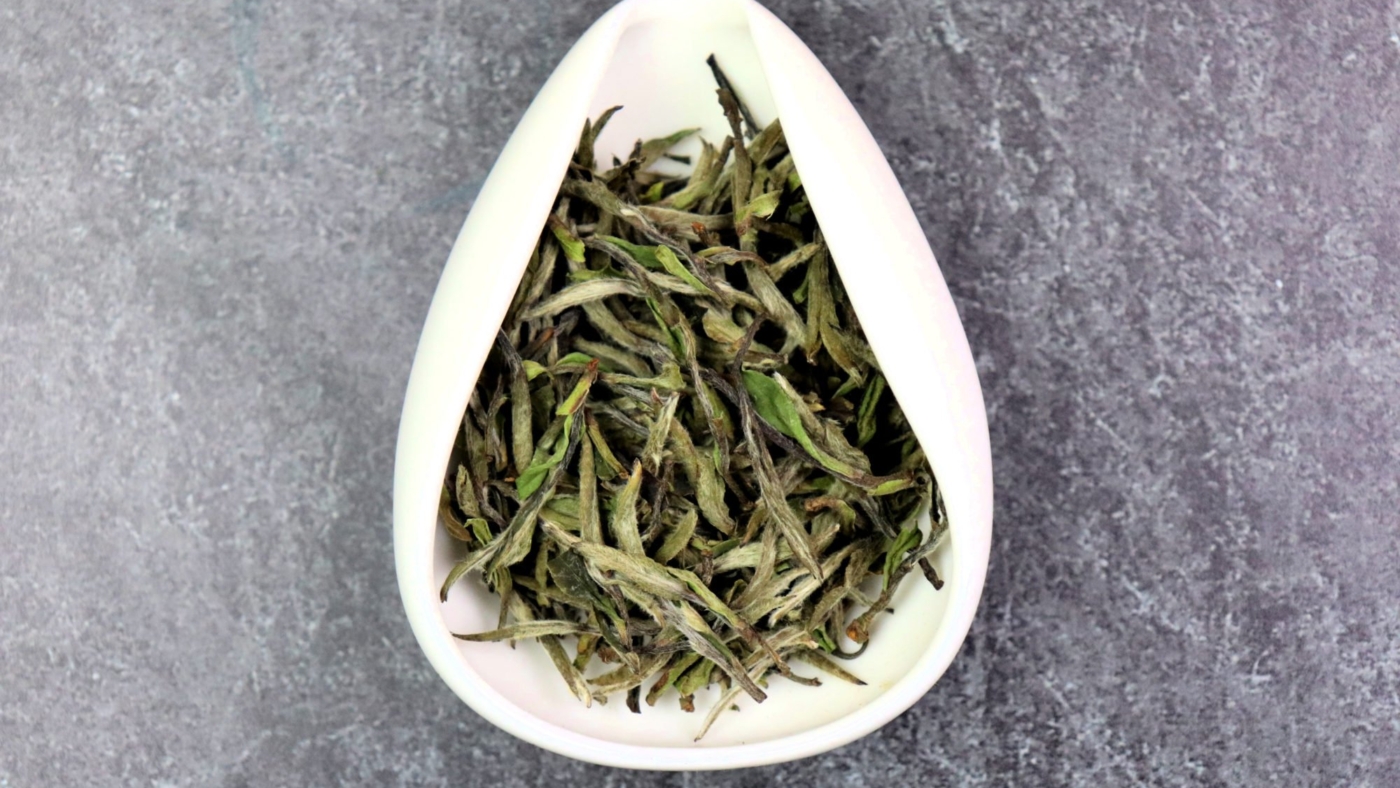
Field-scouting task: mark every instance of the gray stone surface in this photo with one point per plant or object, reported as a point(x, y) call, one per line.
point(1173, 231)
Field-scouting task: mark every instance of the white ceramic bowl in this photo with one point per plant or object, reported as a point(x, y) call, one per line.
point(649, 55)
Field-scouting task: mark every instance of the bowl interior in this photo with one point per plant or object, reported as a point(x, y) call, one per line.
point(658, 74)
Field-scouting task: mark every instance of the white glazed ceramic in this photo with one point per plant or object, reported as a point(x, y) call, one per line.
point(649, 55)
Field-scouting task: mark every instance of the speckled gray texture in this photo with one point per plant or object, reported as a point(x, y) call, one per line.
point(1173, 231)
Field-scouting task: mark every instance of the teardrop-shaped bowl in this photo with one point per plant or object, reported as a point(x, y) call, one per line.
point(649, 56)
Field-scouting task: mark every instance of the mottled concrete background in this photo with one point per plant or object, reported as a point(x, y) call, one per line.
point(1173, 230)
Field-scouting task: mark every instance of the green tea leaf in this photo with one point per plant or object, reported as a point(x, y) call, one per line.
point(574, 359)
point(707, 644)
point(522, 433)
point(639, 571)
point(533, 369)
point(727, 255)
point(652, 150)
point(694, 680)
point(574, 401)
point(590, 526)
point(644, 255)
point(682, 224)
point(907, 540)
point(670, 379)
point(603, 452)
point(678, 536)
point(764, 204)
point(827, 435)
point(589, 138)
point(892, 486)
point(623, 523)
point(765, 566)
point(824, 664)
point(775, 407)
point(672, 341)
point(613, 359)
point(526, 629)
point(721, 327)
point(514, 542)
point(673, 265)
point(460, 569)
point(660, 430)
point(450, 521)
point(481, 529)
point(529, 481)
point(704, 477)
point(777, 306)
point(678, 664)
point(573, 679)
point(570, 243)
point(466, 493)
point(773, 495)
point(791, 260)
point(581, 294)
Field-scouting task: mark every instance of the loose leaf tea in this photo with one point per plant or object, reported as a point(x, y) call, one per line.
point(681, 458)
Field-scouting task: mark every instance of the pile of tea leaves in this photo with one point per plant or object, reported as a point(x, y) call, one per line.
point(681, 458)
